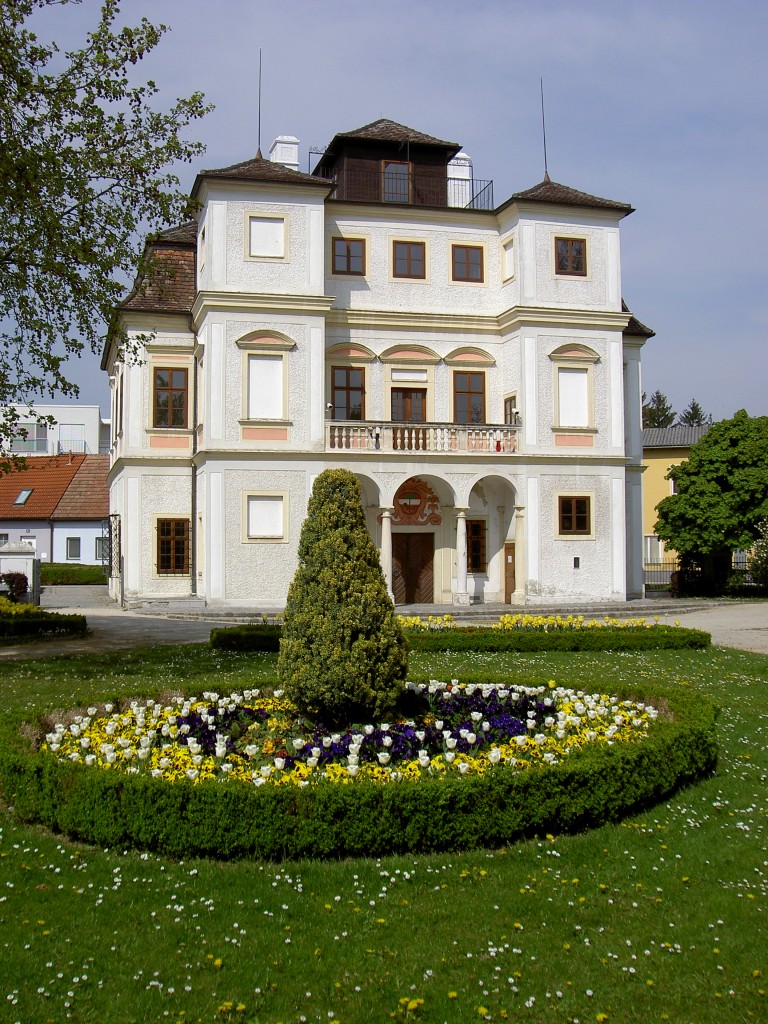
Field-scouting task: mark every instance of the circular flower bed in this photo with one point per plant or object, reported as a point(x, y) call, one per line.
point(243, 776)
point(453, 729)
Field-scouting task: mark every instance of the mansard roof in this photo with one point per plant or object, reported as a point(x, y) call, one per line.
point(552, 192)
point(259, 169)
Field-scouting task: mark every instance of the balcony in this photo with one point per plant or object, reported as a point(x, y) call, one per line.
point(429, 438)
point(413, 188)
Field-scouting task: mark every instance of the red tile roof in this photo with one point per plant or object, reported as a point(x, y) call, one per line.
point(166, 283)
point(62, 486)
point(87, 496)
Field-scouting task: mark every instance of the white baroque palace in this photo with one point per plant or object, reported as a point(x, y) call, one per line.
point(472, 364)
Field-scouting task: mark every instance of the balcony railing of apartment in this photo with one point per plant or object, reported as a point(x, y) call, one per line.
point(76, 447)
point(441, 438)
point(413, 188)
point(30, 445)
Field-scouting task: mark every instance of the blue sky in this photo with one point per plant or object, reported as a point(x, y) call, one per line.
point(658, 103)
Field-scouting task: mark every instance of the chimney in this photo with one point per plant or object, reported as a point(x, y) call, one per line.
point(285, 150)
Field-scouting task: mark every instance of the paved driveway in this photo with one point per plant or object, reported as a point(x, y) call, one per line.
point(732, 624)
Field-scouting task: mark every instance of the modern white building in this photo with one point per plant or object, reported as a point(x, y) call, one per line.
point(473, 364)
point(75, 429)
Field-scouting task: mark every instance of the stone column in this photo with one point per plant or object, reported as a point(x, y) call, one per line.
point(461, 594)
point(519, 595)
point(386, 548)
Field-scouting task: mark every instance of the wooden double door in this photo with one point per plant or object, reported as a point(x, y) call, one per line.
point(413, 576)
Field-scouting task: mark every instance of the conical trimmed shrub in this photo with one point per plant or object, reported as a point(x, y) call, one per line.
point(343, 657)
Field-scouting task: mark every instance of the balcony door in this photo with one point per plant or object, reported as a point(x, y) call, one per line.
point(413, 568)
point(409, 405)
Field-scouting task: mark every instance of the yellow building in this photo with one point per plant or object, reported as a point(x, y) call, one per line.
point(663, 447)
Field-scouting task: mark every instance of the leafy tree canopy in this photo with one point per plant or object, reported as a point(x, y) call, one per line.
point(85, 172)
point(694, 416)
point(657, 412)
point(721, 491)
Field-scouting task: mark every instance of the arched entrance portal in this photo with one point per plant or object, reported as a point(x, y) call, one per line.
point(416, 516)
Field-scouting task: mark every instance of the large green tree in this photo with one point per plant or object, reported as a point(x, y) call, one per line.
point(721, 492)
point(86, 169)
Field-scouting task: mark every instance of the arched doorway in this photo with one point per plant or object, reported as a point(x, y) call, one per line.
point(416, 517)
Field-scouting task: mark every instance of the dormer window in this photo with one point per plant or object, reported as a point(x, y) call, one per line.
point(23, 497)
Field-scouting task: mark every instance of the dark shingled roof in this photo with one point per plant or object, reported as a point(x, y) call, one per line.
point(548, 191)
point(672, 437)
point(385, 130)
point(635, 327)
point(259, 169)
point(167, 284)
point(87, 496)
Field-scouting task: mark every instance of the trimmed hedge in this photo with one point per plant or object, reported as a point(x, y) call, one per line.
point(262, 637)
point(40, 626)
point(59, 574)
point(603, 638)
point(229, 820)
point(257, 637)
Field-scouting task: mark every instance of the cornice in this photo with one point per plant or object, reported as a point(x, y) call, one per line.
point(518, 316)
point(303, 305)
point(509, 320)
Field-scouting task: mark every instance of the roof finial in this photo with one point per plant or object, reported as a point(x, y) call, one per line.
point(544, 132)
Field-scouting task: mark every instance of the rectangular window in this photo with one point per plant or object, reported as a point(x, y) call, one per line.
point(409, 259)
point(265, 387)
point(348, 393)
point(349, 256)
point(24, 496)
point(571, 256)
point(476, 531)
point(467, 262)
point(266, 237)
point(511, 414)
point(653, 549)
point(508, 259)
point(36, 439)
point(3, 539)
point(574, 515)
point(101, 553)
point(395, 183)
point(173, 547)
point(572, 397)
point(469, 397)
point(266, 516)
point(73, 548)
point(72, 438)
point(170, 397)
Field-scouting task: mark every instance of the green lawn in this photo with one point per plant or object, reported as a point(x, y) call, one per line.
point(661, 918)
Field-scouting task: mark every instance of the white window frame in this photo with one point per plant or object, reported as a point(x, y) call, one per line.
point(575, 357)
point(77, 542)
point(265, 538)
point(266, 257)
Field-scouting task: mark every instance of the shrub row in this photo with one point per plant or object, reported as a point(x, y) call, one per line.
point(484, 638)
point(57, 574)
point(605, 638)
point(261, 637)
point(229, 820)
point(41, 626)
